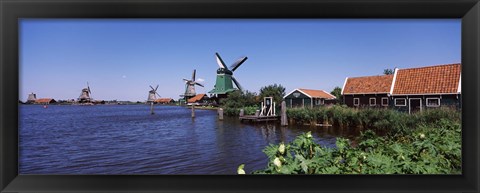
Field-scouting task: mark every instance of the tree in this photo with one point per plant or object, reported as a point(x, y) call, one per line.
point(277, 91)
point(387, 71)
point(238, 99)
point(337, 92)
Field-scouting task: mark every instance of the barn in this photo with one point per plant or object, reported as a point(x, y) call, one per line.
point(407, 90)
point(308, 98)
point(415, 89)
point(367, 91)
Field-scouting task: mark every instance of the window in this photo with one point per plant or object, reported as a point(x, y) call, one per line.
point(356, 101)
point(319, 101)
point(384, 101)
point(400, 102)
point(433, 102)
point(373, 101)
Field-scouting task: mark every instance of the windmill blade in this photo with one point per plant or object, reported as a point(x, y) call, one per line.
point(186, 80)
point(193, 75)
point(199, 84)
point(237, 64)
point(88, 86)
point(220, 61)
point(237, 83)
point(157, 94)
point(156, 88)
point(152, 88)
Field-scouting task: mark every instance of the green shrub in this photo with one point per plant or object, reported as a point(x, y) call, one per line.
point(430, 149)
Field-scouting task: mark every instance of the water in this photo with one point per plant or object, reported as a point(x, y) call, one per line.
point(126, 139)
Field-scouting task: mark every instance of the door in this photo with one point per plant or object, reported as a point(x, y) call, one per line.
point(415, 105)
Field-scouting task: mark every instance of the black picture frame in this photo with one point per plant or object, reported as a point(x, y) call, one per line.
point(12, 10)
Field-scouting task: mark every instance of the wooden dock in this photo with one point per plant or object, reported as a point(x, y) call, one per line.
point(254, 118)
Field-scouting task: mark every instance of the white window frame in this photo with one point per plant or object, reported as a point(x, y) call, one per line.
point(387, 101)
point(370, 101)
point(404, 99)
point(358, 104)
point(426, 101)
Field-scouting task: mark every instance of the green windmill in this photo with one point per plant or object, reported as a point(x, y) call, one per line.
point(225, 79)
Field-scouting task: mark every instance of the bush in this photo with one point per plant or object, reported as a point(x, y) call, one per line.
point(431, 149)
point(371, 118)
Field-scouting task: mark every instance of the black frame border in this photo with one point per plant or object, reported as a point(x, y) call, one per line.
point(12, 10)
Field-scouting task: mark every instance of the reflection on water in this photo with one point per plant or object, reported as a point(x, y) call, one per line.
point(126, 139)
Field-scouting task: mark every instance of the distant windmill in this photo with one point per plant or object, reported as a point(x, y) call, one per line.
point(31, 98)
point(190, 86)
point(85, 96)
point(225, 79)
point(152, 96)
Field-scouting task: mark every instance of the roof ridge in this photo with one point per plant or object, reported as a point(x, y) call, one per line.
point(433, 66)
point(371, 76)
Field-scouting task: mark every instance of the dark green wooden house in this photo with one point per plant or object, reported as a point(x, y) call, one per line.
point(301, 98)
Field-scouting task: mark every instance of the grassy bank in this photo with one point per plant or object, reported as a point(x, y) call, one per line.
point(375, 119)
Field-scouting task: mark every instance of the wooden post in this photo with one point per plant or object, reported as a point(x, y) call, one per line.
point(242, 112)
point(193, 111)
point(220, 114)
point(283, 118)
point(151, 108)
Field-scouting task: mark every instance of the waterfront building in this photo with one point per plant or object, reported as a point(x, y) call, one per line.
point(407, 90)
point(415, 89)
point(199, 99)
point(367, 91)
point(308, 98)
point(45, 101)
point(164, 101)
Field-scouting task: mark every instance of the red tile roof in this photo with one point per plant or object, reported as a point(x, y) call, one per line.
point(44, 100)
point(368, 84)
point(196, 98)
point(317, 93)
point(164, 100)
point(428, 80)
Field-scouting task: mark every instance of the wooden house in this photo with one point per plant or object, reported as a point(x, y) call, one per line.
point(308, 98)
point(415, 89)
point(408, 90)
point(367, 91)
point(45, 101)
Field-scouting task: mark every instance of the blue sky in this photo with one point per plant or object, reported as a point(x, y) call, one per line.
point(121, 58)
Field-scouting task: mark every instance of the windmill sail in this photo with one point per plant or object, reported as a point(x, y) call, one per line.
point(237, 64)
point(225, 81)
point(220, 61)
point(190, 85)
point(152, 94)
point(237, 84)
point(85, 95)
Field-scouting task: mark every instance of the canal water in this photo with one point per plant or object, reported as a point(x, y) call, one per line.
point(126, 139)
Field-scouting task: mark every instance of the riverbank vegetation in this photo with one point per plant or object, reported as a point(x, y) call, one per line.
point(250, 101)
point(427, 142)
point(370, 118)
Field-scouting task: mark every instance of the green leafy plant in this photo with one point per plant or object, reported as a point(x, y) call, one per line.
point(433, 148)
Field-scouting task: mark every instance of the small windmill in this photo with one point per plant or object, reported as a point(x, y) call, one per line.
point(225, 79)
point(152, 96)
point(190, 86)
point(31, 98)
point(85, 95)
